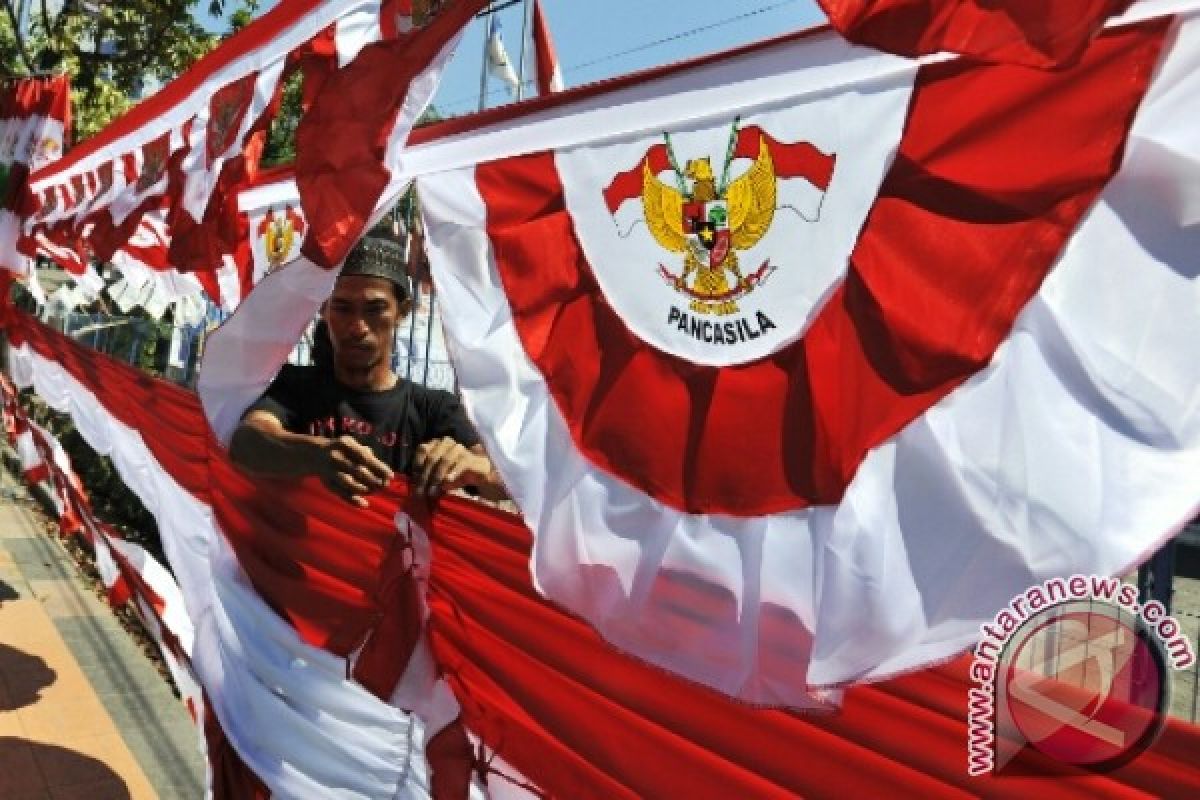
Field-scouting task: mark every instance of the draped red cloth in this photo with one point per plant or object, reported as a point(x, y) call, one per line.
point(539, 686)
point(1032, 32)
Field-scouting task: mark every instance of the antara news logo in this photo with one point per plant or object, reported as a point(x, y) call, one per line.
point(1075, 668)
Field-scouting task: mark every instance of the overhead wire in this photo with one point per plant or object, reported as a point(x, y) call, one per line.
point(466, 102)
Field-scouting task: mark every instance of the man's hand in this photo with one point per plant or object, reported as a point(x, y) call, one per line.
point(443, 465)
point(351, 470)
point(261, 446)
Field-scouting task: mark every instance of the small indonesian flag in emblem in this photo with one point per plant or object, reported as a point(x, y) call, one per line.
point(709, 218)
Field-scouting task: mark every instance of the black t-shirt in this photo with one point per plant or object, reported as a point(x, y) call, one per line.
point(393, 423)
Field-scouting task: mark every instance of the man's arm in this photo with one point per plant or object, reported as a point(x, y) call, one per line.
point(262, 446)
point(443, 465)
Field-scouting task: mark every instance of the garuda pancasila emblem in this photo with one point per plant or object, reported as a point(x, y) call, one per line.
point(279, 232)
point(709, 221)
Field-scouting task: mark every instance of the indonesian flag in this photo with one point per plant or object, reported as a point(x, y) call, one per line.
point(35, 115)
point(773, 450)
point(549, 71)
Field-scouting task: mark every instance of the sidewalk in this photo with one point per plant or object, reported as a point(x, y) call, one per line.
point(83, 713)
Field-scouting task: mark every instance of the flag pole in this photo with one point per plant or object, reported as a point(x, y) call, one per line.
point(525, 8)
point(483, 65)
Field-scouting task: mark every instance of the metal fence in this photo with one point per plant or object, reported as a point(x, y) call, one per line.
point(174, 351)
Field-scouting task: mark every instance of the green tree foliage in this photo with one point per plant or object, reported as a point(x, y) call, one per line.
point(112, 50)
point(281, 138)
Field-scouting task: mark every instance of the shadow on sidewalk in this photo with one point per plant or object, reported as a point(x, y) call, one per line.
point(61, 768)
point(7, 592)
point(24, 676)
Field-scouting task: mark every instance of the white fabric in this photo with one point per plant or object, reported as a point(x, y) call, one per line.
point(355, 30)
point(242, 356)
point(1075, 451)
point(287, 707)
point(499, 64)
point(808, 243)
point(277, 202)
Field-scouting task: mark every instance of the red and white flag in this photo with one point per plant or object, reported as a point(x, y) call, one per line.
point(187, 151)
point(549, 71)
point(35, 116)
point(275, 224)
point(807, 420)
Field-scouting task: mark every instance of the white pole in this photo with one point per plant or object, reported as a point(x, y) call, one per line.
point(483, 66)
point(526, 6)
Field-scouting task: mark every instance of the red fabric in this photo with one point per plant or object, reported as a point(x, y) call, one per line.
point(996, 167)
point(231, 778)
point(198, 245)
point(627, 185)
point(341, 179)
point(796, 160)
point(450, 763)
point(578, 718)
point(543, 43)
point(582, 720)
point(1033, 32)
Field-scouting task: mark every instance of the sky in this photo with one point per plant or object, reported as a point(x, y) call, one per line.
point(597, 39)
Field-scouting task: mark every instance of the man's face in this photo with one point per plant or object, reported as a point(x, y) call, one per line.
point(362, 314)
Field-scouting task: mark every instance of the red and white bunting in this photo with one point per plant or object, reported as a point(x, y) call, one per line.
point(187, 151)
point(775, 450)
point(278, 618)
point(128, 572)
point(35, 115)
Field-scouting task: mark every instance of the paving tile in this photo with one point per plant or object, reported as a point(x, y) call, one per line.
point(16, 522)
point(10, 722)
point(44, 571)
point(109, 678)
point(81, 706)
point(180, 793)
point(88, 627)
point(65, 598)
point(28, 550)
point(76, 716)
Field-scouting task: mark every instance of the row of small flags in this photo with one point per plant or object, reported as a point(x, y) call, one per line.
point(548, 70)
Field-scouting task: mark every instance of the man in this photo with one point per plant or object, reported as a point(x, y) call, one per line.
point(349, 419)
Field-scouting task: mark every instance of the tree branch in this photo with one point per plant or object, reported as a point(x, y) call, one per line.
point(19, 37)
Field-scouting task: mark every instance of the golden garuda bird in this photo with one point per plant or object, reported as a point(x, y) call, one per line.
point(709, 225)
